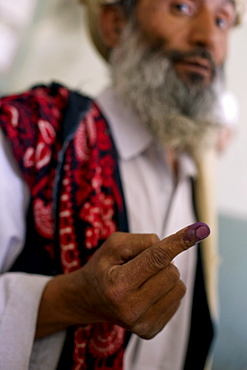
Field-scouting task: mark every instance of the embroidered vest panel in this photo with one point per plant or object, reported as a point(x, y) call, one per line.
point(64, 148)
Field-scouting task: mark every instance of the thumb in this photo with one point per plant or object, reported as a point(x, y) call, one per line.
point(160, 254)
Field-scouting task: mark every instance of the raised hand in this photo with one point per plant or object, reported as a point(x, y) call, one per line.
point(130, 281)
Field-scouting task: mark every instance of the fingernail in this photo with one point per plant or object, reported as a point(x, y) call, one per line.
point(197, 232)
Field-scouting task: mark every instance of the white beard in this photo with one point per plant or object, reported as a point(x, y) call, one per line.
point(183, 116)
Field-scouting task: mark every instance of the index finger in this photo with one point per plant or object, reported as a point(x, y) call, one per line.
point(160, 254)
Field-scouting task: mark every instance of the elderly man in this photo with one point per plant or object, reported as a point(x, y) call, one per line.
point(75, 293)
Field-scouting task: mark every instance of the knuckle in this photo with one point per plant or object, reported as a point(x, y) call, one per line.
point(143, 330)
point(181, 288)
point(176, 294)
point(159, 258)
point(179, 245)
point(153, 238)
point(116, 236)
point(174, 273)
point(130, 317)
point(186, 244)
point(114, 291)
point(114, 294)
point(148, 329)
point(120, 303)
point(112, 236)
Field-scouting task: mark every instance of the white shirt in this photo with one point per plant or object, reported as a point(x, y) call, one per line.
point(149, 191)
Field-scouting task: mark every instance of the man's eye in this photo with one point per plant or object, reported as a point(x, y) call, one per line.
point(223, 23)
point(183, 8)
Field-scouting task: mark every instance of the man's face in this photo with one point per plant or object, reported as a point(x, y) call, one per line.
point(169, 67)
point(186, 27)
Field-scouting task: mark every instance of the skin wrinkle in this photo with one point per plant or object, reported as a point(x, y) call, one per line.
point(129, 5)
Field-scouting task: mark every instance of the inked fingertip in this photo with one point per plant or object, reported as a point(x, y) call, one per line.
point(202, 232)
point(197, 232)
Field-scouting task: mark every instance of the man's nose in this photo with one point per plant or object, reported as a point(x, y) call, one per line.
point(204, 30)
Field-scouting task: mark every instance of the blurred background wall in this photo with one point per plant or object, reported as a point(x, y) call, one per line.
point(46, 40)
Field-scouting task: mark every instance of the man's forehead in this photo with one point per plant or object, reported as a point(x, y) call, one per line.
point(131, 3)
point(222, 3)
point(232, 6)
point(228, 2)
point(93, 8)
point(218, 2)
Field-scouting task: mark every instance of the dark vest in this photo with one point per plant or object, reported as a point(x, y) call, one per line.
point(64, 148)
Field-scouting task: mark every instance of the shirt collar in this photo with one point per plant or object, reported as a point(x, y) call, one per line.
point(187, 167)
point(130, 136)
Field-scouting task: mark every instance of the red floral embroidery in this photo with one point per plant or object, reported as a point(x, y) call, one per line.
point(107, 166)
point(90, 125)
point(99, 215)
point(86, 135)
point(69, 247)
point(42, 155)
point(14, 116)
point(104, 142)
point(81, 148)
point(47, 131)
point(43, 218)
point(106, 339)
point(89, 196)
point(28, 158)
point(96, 195)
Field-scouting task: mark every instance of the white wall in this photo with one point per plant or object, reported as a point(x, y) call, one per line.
point(57, 48)
point(232, 177)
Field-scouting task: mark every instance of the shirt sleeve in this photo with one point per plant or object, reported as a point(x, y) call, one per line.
point(20, 293)
point(14, 200)
point(19, 301)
